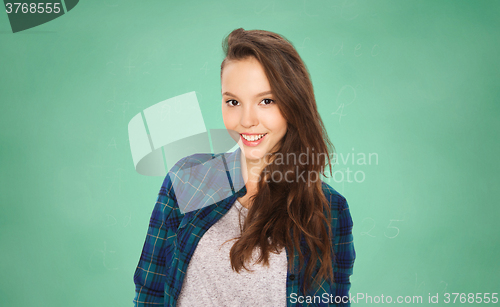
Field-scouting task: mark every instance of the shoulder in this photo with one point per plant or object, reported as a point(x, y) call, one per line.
point(178, 169)
point(196, 181)
point(337, 201)
point(191, 161)
point(341, 220)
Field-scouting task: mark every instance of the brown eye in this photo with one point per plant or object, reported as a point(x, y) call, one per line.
point(267, 101)
point(231, 102)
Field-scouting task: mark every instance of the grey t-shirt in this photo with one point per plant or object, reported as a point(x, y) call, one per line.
point(210, 280)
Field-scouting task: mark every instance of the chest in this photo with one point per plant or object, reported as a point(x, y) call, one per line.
point(186, 240)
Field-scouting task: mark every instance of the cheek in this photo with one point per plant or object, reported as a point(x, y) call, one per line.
point(229, 119)
point(276, 122)
point(282, 126)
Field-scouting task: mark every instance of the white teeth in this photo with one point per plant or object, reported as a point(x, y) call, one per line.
point(252, 138)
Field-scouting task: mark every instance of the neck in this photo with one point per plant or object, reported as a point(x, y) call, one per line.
point(251, 171)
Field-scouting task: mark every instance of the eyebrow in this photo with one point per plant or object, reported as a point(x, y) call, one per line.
point(258, 95)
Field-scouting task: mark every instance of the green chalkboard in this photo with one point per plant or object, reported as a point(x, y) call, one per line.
point(408, 91)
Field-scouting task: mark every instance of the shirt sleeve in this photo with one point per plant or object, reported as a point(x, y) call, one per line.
point(150, 274)
point(345, 255)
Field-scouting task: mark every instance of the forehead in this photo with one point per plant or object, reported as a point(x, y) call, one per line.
point(246, 75)
point(247, 66)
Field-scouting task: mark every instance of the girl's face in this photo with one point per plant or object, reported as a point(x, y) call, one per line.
point(248, 108)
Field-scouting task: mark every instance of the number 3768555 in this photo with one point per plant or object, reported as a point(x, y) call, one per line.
point(33, 8)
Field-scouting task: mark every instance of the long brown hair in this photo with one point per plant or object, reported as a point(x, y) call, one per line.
point(282, 212)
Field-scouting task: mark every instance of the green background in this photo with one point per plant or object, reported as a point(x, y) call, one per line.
point(413, 82)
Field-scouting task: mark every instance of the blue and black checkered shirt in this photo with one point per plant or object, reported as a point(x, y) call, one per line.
point(173, 236)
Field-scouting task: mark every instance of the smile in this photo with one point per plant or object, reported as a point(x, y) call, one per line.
point(253, 138)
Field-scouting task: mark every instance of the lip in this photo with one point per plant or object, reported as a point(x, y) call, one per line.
point(254, 143)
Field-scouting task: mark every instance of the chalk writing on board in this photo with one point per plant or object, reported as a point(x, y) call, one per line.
point(445, 286)
point(258, 13)
point(129, 66)
point(126, 105)
point(368, 232)
point(344, 14)
point(104, 253)
point(127, 220)
point(341, 49)
point(418, 286)
point(340, 111)
point(111, 103)
point(111, 220)
point(340, 108)
point(144, 68)
point(303, 43)
point(358, 46)
point(391, 226)
point(305, 11)
point(205, 67)
point(112, 143)
point(391, 231)
point(356, 50)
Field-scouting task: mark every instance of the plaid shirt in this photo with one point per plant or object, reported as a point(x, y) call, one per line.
point(172, 238)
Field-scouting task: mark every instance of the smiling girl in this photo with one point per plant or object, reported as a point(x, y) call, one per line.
point(276, 241)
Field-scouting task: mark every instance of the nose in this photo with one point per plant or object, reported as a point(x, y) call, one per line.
point(249, 117)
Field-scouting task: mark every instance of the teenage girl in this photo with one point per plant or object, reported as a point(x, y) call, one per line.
point(285, 237)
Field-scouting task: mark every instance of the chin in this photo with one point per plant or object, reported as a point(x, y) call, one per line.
point(253, 153)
